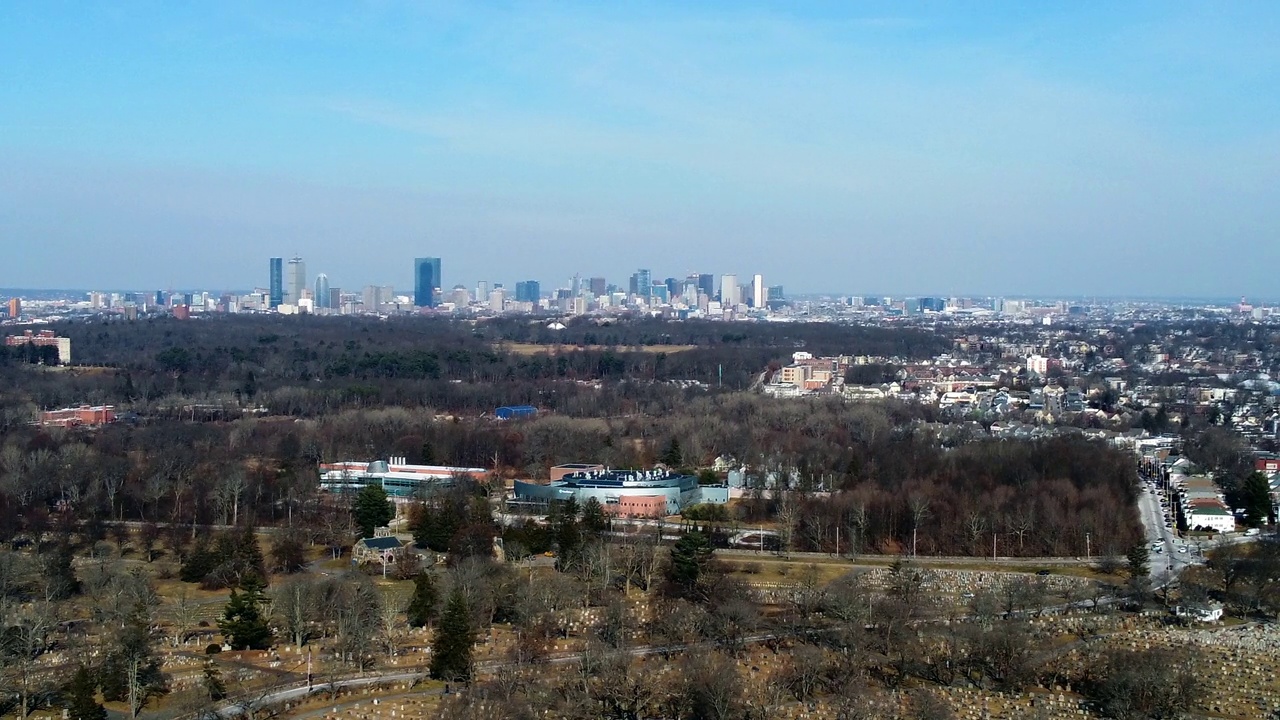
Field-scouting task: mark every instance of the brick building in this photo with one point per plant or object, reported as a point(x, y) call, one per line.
point(44, 338)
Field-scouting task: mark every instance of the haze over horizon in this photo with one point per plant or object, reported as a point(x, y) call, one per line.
point(999, 148)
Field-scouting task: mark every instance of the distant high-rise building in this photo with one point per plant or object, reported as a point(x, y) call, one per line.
point(598, 287)
point(15, 308)
point(575, 286)
point(729, 290)
point(335, 298)
point(295, 280)
point(707, 284)
point(276, 294)
point(673, 287)
point(426, 281)
point(372, 298)
point(757, 291)
point(775, 293)
point(321, 294)
point(641, 283)
point(528, 291)
point(482, 291)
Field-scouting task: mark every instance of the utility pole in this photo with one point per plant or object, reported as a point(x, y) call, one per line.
point(837, 541)
point(993, 547)
point(1088, 550)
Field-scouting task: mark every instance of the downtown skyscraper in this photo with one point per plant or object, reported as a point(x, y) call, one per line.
point(275, 294)
point(426, 281)
point(321, 293)
point(295, 281)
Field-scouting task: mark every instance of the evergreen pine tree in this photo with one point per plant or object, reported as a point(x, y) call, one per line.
point(213, 683)
point(451, 649)
point(674, 456)
point(689, 558)
point(1138, 557)
point(433, 527)
point(82, 697)
point(242, 623)
point(1255, 495)
point(59, 574)
point(372, 509)
point(198, 563)
point(567, 533)
point(595, 521)
point(426, 598)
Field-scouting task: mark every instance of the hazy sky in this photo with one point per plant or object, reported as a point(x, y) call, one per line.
point(1092, 148)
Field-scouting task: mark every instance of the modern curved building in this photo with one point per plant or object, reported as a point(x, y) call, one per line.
point(628, 493)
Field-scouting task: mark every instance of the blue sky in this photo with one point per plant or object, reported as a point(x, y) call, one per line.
point(1003, 148)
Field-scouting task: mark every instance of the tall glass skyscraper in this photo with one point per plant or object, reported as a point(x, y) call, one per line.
point(426, 281)
point(276, 296)
point(528, 291)
point(641, 284)
point(322, 291)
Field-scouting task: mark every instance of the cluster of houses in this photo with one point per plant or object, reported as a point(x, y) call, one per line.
point(1199, 499)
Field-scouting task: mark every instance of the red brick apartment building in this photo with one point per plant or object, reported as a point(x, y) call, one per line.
point(41, 339)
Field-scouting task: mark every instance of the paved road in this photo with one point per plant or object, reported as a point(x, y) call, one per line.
point(1168, 562)
point(276, 697)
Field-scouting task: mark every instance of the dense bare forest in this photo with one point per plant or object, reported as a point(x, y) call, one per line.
point(345, 389)
point(314, 365)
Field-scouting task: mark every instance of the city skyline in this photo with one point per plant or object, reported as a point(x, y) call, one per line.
point(1005, 149)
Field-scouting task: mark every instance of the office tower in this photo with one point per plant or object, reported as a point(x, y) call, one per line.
point(729, 290)
point(707, 284)
point(641, 285)
point(371, 298)
point(295, 278)
point(496, 300)
point(576, 286)
point(275, 281)
point(757, 291)
point(775, 292)
point(528, 291)
point(426, 281)
point(673, 287)
point(15, 307)
point(335, 299)
point(598, 287)
point(322, 291)
point(482, 291)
